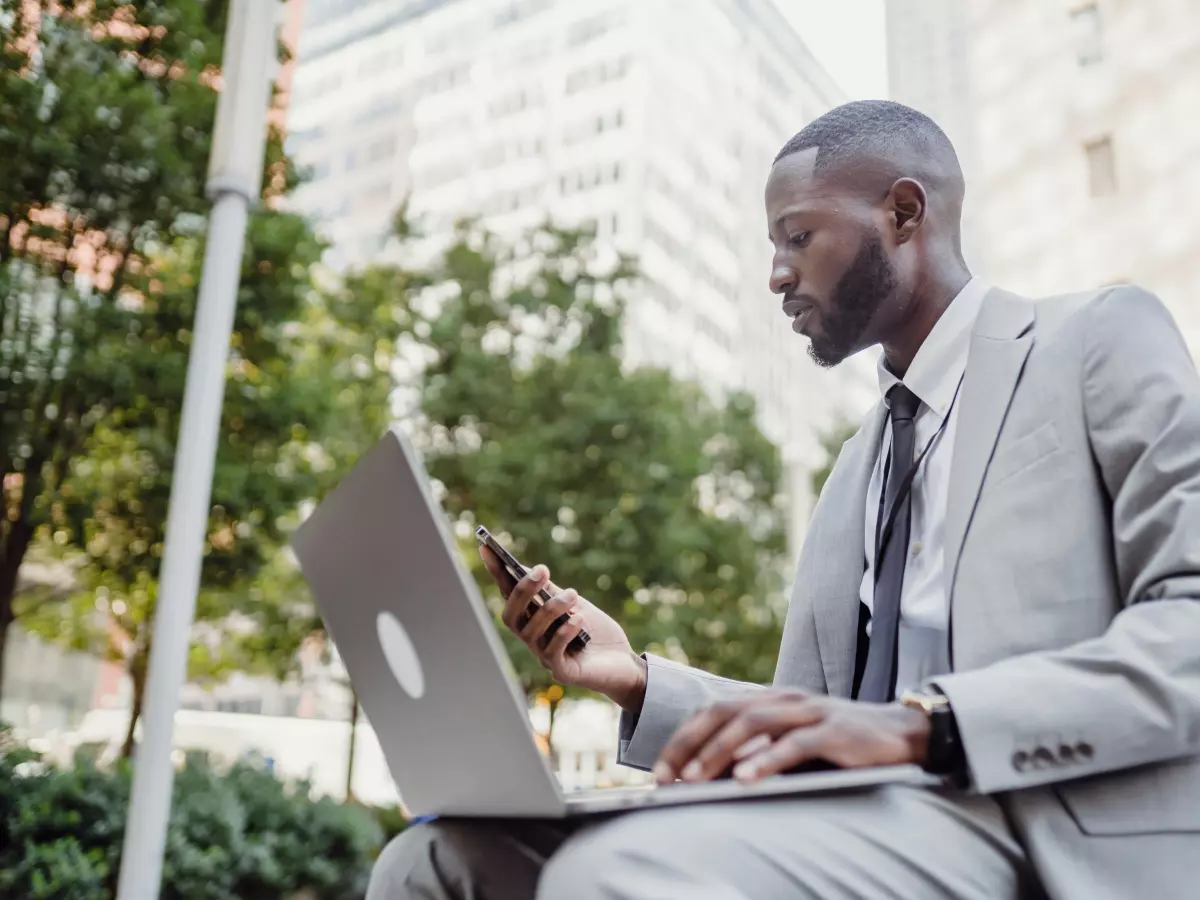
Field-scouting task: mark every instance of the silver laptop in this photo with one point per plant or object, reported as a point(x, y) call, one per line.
point(432, 674)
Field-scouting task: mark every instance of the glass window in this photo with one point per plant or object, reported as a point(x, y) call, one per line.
point(384, 148)
point(1102, 167)
point(588, 30)
point(1088, 31)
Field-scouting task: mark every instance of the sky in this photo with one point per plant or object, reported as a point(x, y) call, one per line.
point(847, 38)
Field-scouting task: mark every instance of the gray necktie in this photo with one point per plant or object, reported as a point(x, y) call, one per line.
point(879, 677)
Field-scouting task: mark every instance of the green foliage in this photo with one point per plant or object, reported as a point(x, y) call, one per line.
point(107, 114)
point(240, 834)
point(112, 503)
point(633, 487)
point(504, 363)
point(831, 444)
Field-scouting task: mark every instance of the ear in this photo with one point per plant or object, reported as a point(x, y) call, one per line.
point(907, 205)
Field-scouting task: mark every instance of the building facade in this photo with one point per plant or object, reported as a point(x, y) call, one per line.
point(929, 69)
point(656, 129)
point(1090, 148)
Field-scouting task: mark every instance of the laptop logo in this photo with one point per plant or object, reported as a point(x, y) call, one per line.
point(400, 654)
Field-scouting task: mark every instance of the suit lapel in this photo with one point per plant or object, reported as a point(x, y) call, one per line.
point(1000, 343)
point(834, 554)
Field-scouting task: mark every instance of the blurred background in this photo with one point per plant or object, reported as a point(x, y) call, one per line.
point(531, 233)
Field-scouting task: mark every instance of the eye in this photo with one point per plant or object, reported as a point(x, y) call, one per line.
point(799, 239)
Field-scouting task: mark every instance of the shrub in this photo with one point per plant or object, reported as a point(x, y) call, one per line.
point(241, 834)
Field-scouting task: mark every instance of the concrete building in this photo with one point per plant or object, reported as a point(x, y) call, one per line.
point(656, 128)
point(929, 69)
point(1090, 146)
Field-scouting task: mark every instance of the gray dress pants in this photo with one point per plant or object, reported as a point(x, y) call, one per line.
point(893, 842)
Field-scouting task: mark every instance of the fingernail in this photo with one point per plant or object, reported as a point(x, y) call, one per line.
point(745, 772)
point(692, 771)
point(662, 773)
point(539, 573)
point(752, 746)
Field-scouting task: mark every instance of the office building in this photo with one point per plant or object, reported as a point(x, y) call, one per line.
point(656, 128)
point(1090, 151)
point(929, 69)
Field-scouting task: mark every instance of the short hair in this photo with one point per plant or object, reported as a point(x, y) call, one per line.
point(875, 128)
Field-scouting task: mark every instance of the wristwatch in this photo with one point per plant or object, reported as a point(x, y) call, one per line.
point(945, 754)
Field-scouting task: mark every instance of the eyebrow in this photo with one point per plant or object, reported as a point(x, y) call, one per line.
point(798, 210)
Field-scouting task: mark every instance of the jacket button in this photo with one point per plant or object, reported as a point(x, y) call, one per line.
point(1085, 750)
point(1020, 760)
point(1042, 757)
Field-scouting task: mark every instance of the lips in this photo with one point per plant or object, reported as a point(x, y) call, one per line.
point(799, 311)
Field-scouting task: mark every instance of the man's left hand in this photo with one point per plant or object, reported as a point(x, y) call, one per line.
point(775, 730)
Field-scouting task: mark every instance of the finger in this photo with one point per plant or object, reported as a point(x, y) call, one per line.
point(689, 737)
point(501, 575)
point(770, 719)
point(534, 633)
point(756, 744)
point(520, 596)
point(798, 746)
point(556, 650)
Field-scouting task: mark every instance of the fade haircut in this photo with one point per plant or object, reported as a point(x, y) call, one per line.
point(874, 129)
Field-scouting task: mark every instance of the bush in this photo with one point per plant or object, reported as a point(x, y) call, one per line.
point(241, 834)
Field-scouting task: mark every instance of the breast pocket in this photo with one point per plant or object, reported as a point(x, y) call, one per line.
point(1023, 453)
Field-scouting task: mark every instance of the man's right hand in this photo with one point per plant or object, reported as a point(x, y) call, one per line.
point(607, 664)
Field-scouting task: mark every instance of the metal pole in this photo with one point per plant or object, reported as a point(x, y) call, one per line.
point(235, 175)
point(187, 522)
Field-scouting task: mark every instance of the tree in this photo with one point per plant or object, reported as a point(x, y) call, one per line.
point(660, 506)
point(656, 504)
point(112, 501)
point(832, 441)
point(104, 132)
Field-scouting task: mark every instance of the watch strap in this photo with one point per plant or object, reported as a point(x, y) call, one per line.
point(944, 754)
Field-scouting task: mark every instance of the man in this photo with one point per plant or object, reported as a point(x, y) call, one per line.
point(1010, 545)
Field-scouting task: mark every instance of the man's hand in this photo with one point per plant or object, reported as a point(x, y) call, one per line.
point(774, 731)
point(607, 664)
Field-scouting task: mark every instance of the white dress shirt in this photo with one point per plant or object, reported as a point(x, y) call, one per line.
point(934, 376)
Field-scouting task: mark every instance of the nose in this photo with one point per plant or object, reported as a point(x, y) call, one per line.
point(783, 279)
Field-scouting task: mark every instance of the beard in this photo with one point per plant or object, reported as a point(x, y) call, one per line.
point(860, 292)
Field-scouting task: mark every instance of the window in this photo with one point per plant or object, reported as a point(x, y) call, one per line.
point(384, 148)
point(511, 103)
point(601, 73)
point(1088, 31)
point(588, 30)
point(1102, 167)
point(319, 169)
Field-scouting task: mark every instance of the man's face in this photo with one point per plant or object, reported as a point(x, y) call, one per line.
point(830, 265)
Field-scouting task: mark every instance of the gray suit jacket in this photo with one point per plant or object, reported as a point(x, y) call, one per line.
point(1073, 568)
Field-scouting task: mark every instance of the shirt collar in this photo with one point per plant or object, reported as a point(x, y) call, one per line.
point(941, 360)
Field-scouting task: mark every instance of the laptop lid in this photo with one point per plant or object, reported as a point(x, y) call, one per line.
point(419, 644)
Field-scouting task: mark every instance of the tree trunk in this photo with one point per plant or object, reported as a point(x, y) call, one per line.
point(6, 619)
point(553, 708)
point(353, 743)
point(137, 672)
point(16, 542)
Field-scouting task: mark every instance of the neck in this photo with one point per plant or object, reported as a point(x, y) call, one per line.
point(932, 297)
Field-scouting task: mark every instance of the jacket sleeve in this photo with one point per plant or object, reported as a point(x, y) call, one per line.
point(673, 693)
point(1134, 690)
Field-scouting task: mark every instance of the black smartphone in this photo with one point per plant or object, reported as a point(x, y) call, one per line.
point(518, 571)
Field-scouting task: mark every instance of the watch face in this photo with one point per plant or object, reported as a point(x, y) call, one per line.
point(926, 702)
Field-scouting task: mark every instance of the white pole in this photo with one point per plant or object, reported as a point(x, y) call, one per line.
point(235, 176)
